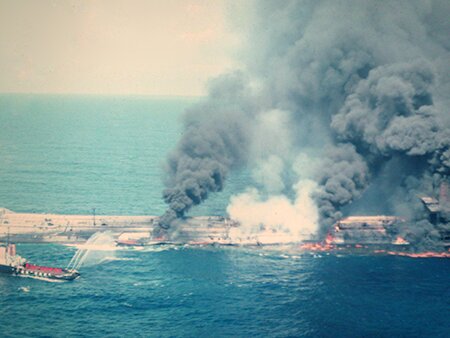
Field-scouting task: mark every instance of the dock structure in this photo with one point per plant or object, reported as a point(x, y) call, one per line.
point(58, 228)
point(32, 227)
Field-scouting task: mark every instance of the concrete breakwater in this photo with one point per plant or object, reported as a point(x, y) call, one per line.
point(56, 228)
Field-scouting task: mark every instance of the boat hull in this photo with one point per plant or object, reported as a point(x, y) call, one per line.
point(66, 275)
point(7, 269)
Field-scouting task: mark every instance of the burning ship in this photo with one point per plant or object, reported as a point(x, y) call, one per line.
point(380, 233)
point(366, 230)
point(200, 230)
point(13, 264)
point(374, 233)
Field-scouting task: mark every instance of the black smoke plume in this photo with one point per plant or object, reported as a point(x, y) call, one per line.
point(213, 142)
point(366, 85)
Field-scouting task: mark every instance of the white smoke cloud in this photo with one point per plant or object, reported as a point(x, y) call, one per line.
point(271, 134)
point(269, 174)
point(275, 218)
point(270, 148)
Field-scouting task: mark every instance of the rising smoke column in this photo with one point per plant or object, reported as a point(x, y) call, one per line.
point(213, 142)
point(365, 83)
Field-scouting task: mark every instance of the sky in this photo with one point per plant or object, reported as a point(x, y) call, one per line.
point(135, 47)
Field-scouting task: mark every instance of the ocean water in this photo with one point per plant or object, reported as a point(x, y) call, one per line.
point(71, 154)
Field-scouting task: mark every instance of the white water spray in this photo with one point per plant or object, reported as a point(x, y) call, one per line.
point(94, 251)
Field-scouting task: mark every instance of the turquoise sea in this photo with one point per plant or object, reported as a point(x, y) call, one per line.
point(69, 154)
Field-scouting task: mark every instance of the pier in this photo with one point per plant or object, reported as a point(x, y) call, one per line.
point(58, 228)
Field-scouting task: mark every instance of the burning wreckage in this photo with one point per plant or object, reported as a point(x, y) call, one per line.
point(373, 234)
point(392, 234)
point(351, 109)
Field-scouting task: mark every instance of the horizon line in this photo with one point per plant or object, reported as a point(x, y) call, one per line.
point(104, 94)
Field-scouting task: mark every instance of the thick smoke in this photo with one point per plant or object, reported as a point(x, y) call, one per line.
point(364, 86)
point(391, 112)
point(213, 142)
point(343, 177)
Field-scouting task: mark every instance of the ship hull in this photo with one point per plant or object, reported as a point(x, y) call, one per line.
point(7, 269)
point(21, 271)
point(65, 275)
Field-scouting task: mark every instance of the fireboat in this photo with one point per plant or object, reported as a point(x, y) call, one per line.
point(13, 264)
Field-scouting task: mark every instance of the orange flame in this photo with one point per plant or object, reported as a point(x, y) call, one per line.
point(400, 241)
point(428, 254)
point(325, 245)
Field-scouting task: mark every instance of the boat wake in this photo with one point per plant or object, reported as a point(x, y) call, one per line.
point(96, 247)
point(114, 259)
point(45, 279)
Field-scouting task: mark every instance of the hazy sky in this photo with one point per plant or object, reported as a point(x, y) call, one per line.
point(155, 47)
